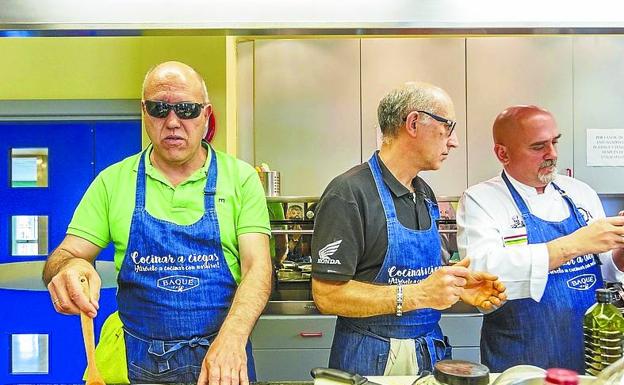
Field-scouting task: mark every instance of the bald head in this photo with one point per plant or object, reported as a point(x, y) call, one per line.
point(413, 96)
point(169, 74)
point(525, 142)
point(509, 122)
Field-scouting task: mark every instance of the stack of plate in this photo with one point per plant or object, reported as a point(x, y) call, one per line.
point(602, 348)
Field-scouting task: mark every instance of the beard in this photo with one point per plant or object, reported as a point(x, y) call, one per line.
point(549, 177)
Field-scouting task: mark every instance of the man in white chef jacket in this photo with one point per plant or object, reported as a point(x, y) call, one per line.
point(546, 236)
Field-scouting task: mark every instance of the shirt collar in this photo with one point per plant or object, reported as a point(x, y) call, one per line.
point(393, 184)
point(527, 190)
point(154, 173)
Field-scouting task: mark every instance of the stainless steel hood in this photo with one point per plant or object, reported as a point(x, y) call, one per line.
point(296, 17)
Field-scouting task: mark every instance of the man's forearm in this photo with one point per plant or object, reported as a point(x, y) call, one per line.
point(354, 298)
point(249, 301)
point(72, 250)
point(55, 262)
point(362, 299)
point(563, 249)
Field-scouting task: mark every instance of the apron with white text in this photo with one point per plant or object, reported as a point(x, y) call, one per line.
point(361, 345)
point(549, 333)
point(175, 289)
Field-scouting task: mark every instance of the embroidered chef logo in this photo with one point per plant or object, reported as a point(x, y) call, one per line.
point(326, 252)
point(582, 282)
point(517, 222)
point(178, 283)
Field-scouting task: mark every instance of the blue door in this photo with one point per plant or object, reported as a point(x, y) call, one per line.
point(47, 168)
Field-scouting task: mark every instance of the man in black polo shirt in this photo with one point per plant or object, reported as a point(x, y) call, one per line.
point(376, 250)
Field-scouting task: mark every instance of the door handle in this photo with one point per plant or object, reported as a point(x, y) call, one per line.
point(311, 334)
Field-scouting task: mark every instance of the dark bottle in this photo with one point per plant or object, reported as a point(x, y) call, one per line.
point(603, 329)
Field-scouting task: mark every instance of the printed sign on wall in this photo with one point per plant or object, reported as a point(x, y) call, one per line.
point(605, 147)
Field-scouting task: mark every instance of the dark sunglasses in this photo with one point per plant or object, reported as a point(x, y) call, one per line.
point(184, 110)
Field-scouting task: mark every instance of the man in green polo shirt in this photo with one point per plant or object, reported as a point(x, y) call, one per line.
point(191, 233)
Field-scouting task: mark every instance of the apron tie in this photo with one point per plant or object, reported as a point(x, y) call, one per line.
point(426, 342)
point(429, 342)
point(162, 354)
point(157, 348)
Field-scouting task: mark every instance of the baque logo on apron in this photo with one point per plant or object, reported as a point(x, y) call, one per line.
point(582, 282)
point(178, 283)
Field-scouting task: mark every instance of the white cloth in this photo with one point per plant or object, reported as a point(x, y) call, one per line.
point(401, 358)
point(488, 222)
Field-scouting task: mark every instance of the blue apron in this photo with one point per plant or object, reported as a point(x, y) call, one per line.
point(361, 345)
point(175, 289)
point(549, 333)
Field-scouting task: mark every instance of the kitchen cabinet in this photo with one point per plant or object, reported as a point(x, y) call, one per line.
point(286, 347)
point(464, 333)
point(505, 71)
point(307, 110)
point(389, 63)
point(598, 100)
point(314, 102)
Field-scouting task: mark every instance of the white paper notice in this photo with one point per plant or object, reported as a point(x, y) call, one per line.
point(605, 147)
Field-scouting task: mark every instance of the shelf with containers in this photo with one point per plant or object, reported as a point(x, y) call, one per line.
point(291, 336)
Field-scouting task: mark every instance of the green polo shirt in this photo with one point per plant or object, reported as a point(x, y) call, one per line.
point(105, 211)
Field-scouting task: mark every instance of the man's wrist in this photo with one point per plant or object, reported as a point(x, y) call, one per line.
point(561, 250)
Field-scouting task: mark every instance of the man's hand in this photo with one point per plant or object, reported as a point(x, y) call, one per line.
point(598, 237)
point(225, 362)
point(72, 259)
point(482, 289)
point(601, 235)
point(442, 288)
point(618, 254)
point(66, 291)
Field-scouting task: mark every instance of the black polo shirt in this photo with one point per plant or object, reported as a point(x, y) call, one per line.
point(350, 232)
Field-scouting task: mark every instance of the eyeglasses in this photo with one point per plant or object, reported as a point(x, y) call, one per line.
point(450, 124)
point(183, 110)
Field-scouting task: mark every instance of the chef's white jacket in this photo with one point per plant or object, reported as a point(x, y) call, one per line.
point(491, 231)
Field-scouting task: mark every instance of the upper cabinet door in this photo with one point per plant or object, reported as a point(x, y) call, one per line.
point(598, 100)
point(389, 63)
point(504, 71)
point(307, 110)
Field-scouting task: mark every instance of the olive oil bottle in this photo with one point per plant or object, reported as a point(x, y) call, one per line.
point(603, 329)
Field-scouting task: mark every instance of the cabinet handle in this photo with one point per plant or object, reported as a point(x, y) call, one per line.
point(311, 334)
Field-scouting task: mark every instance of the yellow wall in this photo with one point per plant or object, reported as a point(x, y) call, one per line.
point(109, 68)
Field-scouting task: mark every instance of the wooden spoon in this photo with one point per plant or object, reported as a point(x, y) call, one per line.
point(93, 375)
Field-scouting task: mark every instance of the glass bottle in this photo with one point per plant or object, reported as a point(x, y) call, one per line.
point(603, 329)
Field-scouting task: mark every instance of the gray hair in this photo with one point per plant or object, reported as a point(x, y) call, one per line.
point(201, 79)
point(398, 103)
